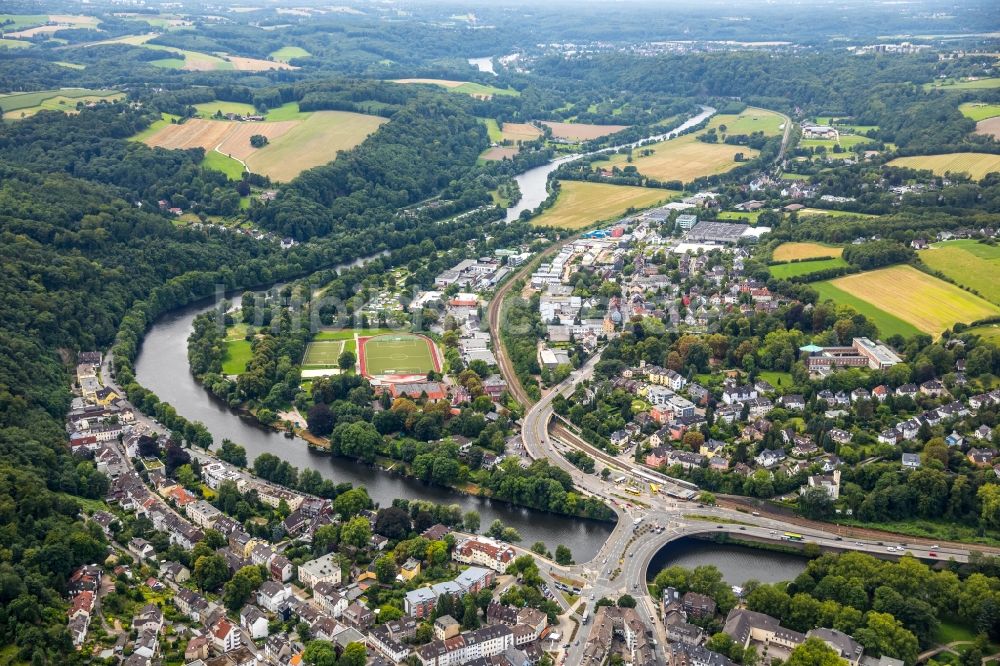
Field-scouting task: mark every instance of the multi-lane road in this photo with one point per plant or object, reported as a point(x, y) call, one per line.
point(653, 518)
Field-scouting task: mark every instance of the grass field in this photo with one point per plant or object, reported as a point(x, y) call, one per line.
point(832, 213)
point(323, 353)
point(581, 204)
point(209, 109)
point(286, 53)
point(23, 105)
point(227, 165)
point(238, 354)
point(979, 110)
point(195, 61)
point(13, 44)
point(785, 271)
point(968, 263)
point(17, 101)
point(968, 84)
point(790, 251)
point(887, 324)
point(739, 215)
point(976, 165)
point(921, 300)
point(349, 333)
point(398, 354)
point(846, 141)
point(988, 332)
point(751, 119)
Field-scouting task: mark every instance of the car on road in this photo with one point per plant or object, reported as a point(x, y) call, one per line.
point(932, 554)
point(718, 527)
point(935, 546)
point(743, 527)
point(891, 549)
point(840, 538)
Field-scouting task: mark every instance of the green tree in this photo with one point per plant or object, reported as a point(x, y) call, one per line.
point(346, 360)
point(357, 532)
point(814, 652)
point(320, 653)
point(210, 571)
point(385, 569)
point(241, 586)
point(354, 654)
point(563, 555)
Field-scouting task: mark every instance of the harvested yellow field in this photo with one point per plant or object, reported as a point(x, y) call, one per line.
point(242, 64)
point(793, 251)
point(581, 131)
point(444, 83)
point(581, 204)
point(294, 145)
point(989, 127)
point(237, 141)
point(683, 159)
point(922, 300)
point(499, 153)
point(312, 142)
point(520, 132)
point(195, 133)
point(977, 165)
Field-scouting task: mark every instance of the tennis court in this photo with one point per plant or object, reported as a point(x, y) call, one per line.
point(322, 353)
point(398, 354)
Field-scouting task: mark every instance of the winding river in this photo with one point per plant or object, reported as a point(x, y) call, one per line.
point(533, 181)
point(162, 367)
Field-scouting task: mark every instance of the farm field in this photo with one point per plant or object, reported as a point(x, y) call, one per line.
point(888, 325)
point(977, 165)
point(989, 127)
point(13, 44)
point(312, 142)
point(921, 300)
point(967, 84)
point(294, 145)
point(785, 271)
point(496, 154)
point(979, 110)
point(581, 204)
point(684, 159)
point(790, 251)
point(398, 354)
point(969, 264)
point(286, 53)
point(465, 87)
point(195, 61)
point(520, 132)
point(23, 105)
point(581, 131)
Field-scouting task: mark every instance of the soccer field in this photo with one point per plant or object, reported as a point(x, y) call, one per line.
point(398, 355)
point(323, 353)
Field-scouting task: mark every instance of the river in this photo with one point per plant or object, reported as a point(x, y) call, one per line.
point(532, 182)
point(738, 564)
point(162, 367)
point(483, 64)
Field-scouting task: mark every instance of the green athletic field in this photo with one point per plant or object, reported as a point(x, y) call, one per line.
point(397, 354)
point(322, 354)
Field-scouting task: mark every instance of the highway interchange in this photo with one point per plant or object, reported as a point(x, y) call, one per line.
point(621, 565)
